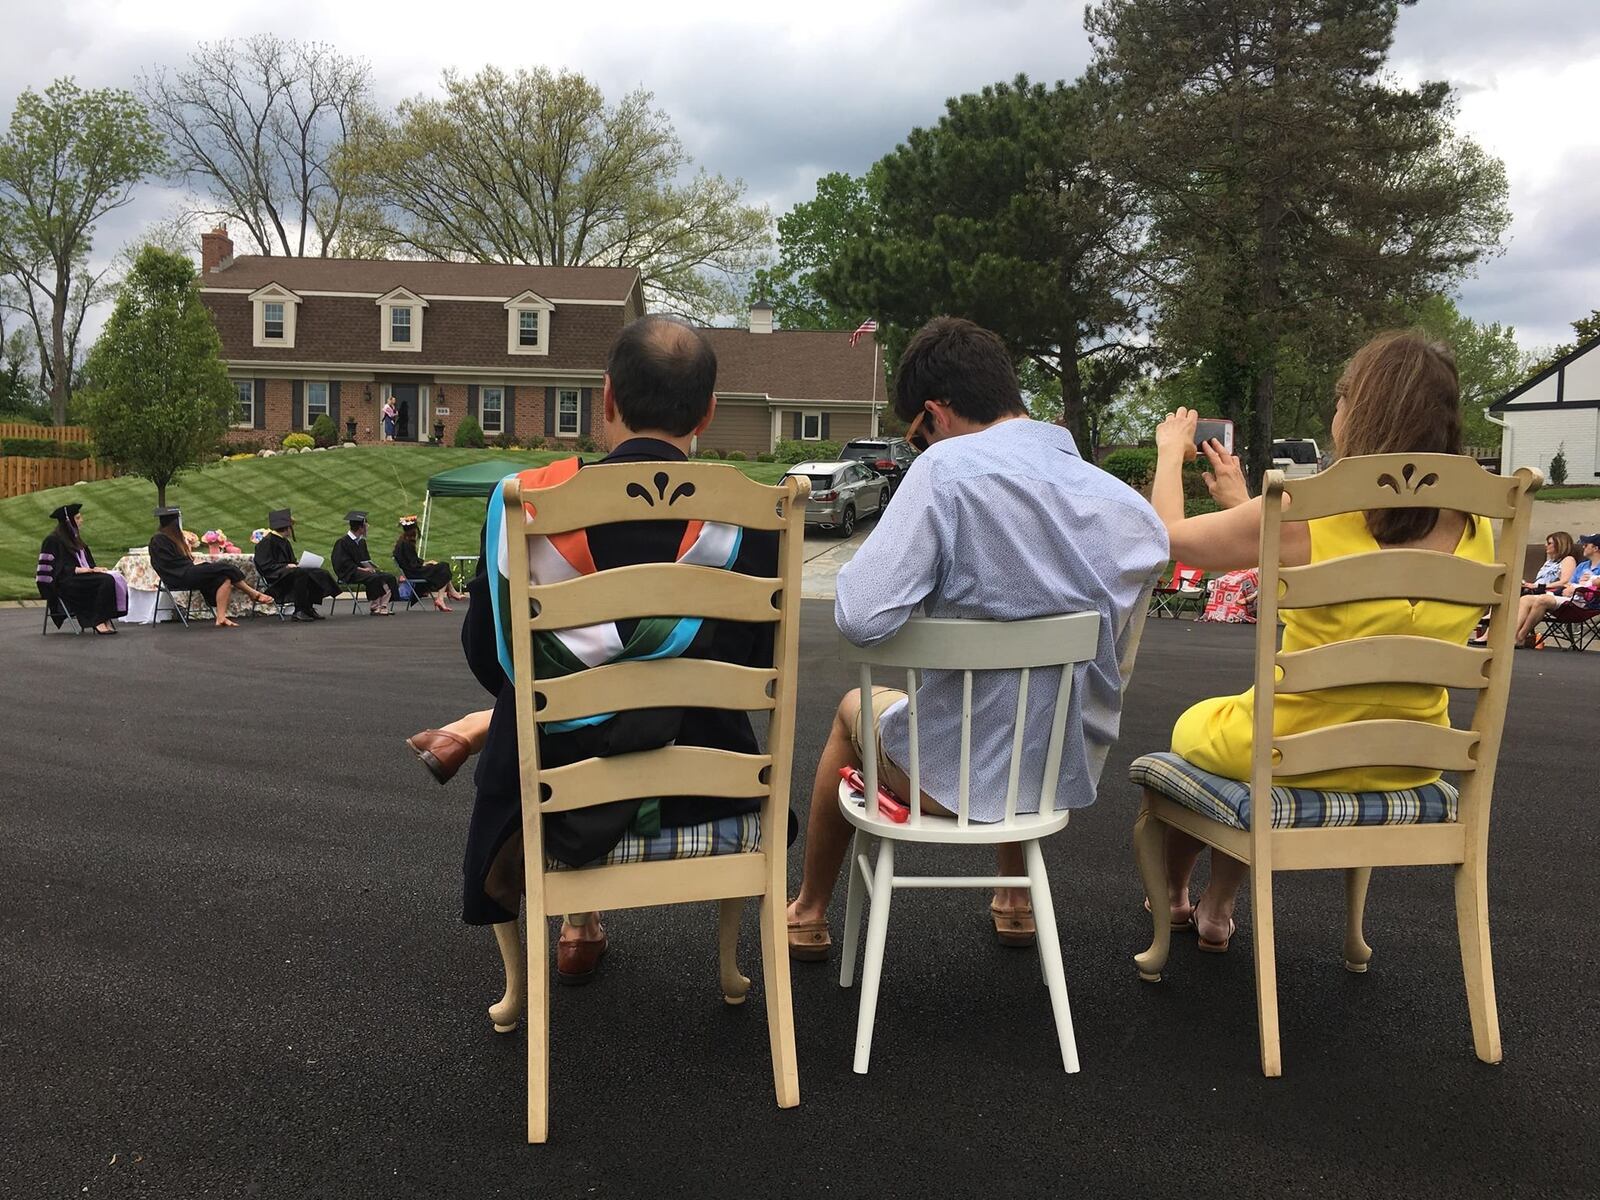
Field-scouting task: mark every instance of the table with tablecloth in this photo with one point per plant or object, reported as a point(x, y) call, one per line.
point(144, 584)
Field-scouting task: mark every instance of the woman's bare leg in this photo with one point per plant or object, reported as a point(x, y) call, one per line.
point(224, 596)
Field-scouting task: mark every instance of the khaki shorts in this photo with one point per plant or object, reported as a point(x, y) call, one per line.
point(890, 773)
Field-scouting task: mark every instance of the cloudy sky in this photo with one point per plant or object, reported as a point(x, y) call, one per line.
point(779, 94)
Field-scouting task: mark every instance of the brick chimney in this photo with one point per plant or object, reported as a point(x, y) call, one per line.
point(216, 250)
point(761, 317)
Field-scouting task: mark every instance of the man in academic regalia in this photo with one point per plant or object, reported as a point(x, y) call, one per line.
point(352, 564)
point(279, 565)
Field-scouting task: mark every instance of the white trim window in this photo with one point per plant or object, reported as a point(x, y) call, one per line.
point(528, 324)
point(400, 314)
point(492, 409)
point(244, 403)
point(316, 401)
point(810, 427)
point(400, 323)
point(272, 321)
point(569, 408)
point(527, 329)
point(273, 312)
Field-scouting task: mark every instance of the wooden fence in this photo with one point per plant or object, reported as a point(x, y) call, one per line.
point(54, 433)
point(19, 476)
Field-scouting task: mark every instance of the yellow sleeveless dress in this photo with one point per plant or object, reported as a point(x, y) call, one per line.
point(1215, 734)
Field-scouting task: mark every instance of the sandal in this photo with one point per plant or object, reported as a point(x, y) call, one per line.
point(1215, 947)
point(1177, 925)
point(1013, 926)
point(809, 941)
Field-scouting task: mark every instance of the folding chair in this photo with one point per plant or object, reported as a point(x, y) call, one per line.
point(55, 610)
point(355, 589)
point(1186, 590)
point(1572, 626)
point(1274, 827)
point(182, 611)
point(641, 871)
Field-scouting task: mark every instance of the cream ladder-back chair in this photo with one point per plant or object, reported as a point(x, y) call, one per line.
point(602, 495)
point(1308, 829)
point(936, 644)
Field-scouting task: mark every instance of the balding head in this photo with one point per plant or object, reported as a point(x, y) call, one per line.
point(662, 375)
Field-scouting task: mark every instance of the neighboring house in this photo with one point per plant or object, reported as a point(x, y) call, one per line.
point(777, 385)
point(522, 349)
point(1558, 408)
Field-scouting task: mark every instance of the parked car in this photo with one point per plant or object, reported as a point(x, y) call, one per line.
point(842, 493)
point(889, 457)
point(1296, 457)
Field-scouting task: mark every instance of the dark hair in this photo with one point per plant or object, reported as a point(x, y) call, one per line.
point(662, 375)
point(963, 364)
point(173, 531)
point(408, 533)
point(1564, 545)
point(67, 531)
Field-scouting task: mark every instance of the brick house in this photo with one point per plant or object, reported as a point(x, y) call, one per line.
point(520, 348)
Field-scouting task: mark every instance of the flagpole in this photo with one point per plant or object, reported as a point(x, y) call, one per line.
point(875, 376)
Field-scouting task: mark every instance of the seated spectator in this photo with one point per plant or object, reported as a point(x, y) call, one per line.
point(171, 556)
point(1399, 394)
point(1570, 581)
point(95, 596)
point(429, 578)
point(279, 565)
point(1000, 518)
point(352, 564)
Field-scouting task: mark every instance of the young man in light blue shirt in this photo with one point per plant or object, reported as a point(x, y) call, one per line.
point(998, 519)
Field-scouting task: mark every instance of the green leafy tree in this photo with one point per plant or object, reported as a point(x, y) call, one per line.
point(1488, 361)
point(997, 213)
point(810, 235)
point(159, 396)
point(1585, 329)
point(68, 159)
point(1295, 195)
point(536, 167)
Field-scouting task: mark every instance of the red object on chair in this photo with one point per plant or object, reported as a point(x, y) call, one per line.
point(1186, 587)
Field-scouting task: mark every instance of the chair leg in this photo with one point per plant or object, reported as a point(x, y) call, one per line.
point(780, 1000)
point(1472, 926)
point(1150, 851)
point(854, 894)
point(1266, 971)
point(872, 967)
point(538, 1026)
point(734, 984)
point(506, 1012)
point(1357, 954)
point(1055, 978)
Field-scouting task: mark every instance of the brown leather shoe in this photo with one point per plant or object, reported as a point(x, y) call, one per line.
point(577, 962)
point(442, 753)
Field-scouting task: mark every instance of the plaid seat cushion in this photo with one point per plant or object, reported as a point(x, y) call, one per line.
point(729, 835)
point(1227, 801)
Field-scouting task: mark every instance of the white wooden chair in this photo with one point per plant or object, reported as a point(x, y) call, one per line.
point(1283, 842)
point(656, 492)
point(968, 646)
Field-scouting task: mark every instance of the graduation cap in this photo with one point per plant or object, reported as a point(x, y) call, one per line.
point(168, 514)
point(356, 517)
point(66, 511)
point(408, 522)
point(279, 518)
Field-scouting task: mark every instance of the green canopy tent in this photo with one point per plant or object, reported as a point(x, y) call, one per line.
point(475, 479)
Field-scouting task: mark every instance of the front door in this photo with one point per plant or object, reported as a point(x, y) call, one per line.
point(405, 401)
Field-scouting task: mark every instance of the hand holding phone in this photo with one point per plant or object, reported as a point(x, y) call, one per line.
point(1217, 429)
point(889, 805)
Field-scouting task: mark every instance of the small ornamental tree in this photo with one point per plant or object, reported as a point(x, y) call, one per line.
point(159, 396)
point(469, 434)
point(323, 431)
point(1558, 466)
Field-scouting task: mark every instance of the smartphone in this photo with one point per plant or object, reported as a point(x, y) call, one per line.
point(1214, 429)
point(889, 805)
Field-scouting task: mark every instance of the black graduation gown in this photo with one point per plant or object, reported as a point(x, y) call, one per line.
point(492, 871)
point(92, 599)
point(351, 564)
point(435, 575)
point(304, 587)
point(180, 572)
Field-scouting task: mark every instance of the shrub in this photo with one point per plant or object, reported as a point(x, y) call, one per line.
point(31, 447)
point(1558, 466)
point(792, 452)
point(586, 444)
point(76, 451)
point(736, 456)
point(533, 443)
point(1135, 467)
point(710, 453)
point(766, 458)
point(323, 431)
point(299, 441)
point(1193, 508)
point(468, 434)
point(235, 446)
point(503, 441)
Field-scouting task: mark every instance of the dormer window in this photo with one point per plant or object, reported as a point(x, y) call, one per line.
point(274, 310)
point(400, 314)
point(528, 324)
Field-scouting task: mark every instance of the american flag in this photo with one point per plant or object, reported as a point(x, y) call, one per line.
point(866, 327)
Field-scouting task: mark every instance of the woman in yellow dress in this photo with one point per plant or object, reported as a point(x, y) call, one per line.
point(1399, 394)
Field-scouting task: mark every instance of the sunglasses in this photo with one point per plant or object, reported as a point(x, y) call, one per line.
point(916, 435)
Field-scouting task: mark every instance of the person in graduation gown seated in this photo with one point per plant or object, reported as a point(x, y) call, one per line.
point(429, 577)
point(352, 564)
point(96, 596)
point(279, 565)
point(659, 381)
point(216, 581)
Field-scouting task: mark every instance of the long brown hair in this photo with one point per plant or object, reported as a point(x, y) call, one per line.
point(1401, 396)
point(1564, 545)
point(174, 531)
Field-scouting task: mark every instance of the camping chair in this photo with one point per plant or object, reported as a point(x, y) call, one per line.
point(752, 863)
point(1186, 590)
point(965, 646)
point(1317, 830)
point(1572, 626)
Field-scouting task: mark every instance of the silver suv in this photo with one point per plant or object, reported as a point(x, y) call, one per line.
point(841, 493)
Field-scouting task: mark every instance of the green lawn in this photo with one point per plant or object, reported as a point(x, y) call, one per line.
point(1570, 492)
point(386, 481)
